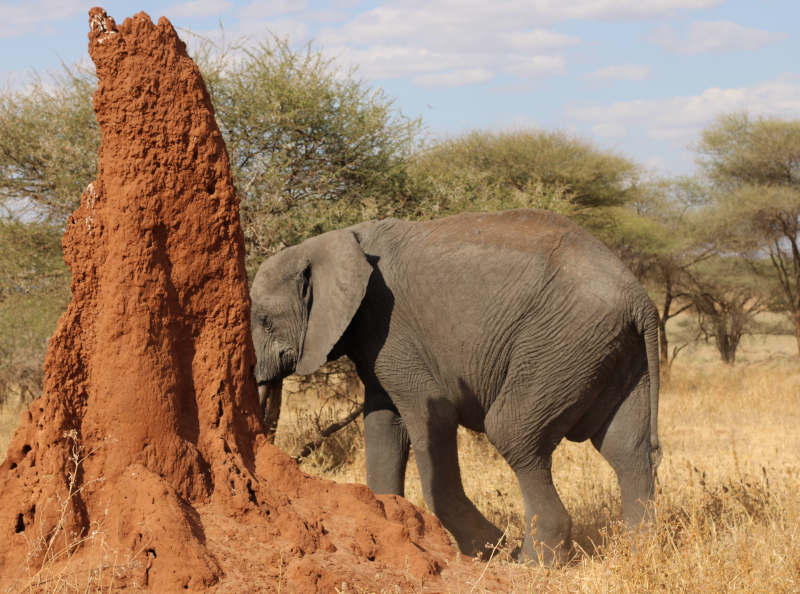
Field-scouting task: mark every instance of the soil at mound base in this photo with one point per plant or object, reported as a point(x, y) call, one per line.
point(144, 461)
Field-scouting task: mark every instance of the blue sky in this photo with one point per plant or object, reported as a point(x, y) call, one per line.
point(641, 77)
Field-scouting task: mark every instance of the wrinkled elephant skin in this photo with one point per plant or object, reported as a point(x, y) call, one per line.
point(518, 324)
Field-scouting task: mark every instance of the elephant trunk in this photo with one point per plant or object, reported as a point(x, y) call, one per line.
point(269, 397)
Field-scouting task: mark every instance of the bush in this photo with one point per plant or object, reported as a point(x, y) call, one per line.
point(33, 293)
point(312, 148)
point(530, 168)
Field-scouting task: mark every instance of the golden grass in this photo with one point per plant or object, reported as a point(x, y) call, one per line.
point(728, 501)
point(9, 419)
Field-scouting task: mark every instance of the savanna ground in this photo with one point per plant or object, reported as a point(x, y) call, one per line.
point(728, 500)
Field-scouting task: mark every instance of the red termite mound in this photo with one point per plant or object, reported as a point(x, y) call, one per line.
point(144, 462)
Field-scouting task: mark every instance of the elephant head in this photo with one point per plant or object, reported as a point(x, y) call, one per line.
point(303, 299)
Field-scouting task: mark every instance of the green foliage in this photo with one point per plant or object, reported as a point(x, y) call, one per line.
point(48, 154)
point(33, 293)
point(756, 165)
point(48, 144)
point(531, 168)
point(662, 221)
point(676, 238)
point(311, 147)
point(30, 258)
point(737, 150)
point(727, 296)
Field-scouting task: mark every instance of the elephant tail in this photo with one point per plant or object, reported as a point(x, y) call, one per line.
point(647, 324)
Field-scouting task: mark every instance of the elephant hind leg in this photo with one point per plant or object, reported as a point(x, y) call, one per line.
point(624, 441)
point(525, 431)
point(547, 523)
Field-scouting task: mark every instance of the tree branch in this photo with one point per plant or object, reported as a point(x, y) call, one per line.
point(327, 432)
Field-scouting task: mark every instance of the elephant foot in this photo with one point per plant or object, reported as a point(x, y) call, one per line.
point(547, 543)
point(542, 555)
point(482, 543)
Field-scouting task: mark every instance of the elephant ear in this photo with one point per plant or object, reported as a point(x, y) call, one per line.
point(338, 277)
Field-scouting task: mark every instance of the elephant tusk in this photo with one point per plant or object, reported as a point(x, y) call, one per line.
point(262, 396)
point(270, 396)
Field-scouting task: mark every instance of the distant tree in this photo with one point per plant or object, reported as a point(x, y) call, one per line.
point(657, 235)
point(312, 148)
point(727, 297)
point(34, 289)
point(529, 168)
point(48, 145)
point(756, 165)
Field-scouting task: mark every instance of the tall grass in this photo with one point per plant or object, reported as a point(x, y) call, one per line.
point(728, 498)
point(728, 495)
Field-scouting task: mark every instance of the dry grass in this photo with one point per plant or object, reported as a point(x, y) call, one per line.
point(9, 419)
point(728, 510)
point(50, 565)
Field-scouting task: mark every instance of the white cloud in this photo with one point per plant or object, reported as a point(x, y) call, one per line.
point(427, 66)
point(463, 37)
point(620, 72)
point(609, 130)
point(454, 78)
point(538, 39)
point(469, 21)
point(396, 61)
point(656, 163)
point(445, 42)
point(714, 36)
point(536, 66)
point(18, 18)
point(198, 9)
point(619, 9)
point(680, 119)
point(296, 31)
point(272, 9)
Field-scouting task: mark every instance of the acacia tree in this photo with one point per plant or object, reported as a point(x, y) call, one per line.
point(312, 148)
point(727, 298)
point(657, 236)
point(34, 289)
point(48, 145)
point(756, 165)
point(525, 168)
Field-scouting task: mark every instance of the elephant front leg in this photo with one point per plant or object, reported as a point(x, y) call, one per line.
point(387, 446)
point(435, 448)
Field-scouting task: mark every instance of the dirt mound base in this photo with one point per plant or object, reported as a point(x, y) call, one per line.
point(144, 462)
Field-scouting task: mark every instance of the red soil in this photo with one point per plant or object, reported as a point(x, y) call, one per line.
point(144, 462)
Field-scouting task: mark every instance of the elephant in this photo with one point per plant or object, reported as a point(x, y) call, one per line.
point(518, 324)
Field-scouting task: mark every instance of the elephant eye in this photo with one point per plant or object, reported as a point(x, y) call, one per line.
point(266, 323)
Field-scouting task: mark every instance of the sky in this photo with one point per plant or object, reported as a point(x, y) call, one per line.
point(639, 77)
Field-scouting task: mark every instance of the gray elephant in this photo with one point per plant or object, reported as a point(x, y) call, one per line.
point(518, 324)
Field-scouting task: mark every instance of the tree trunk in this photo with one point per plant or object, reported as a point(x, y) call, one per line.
point(663, 343)
point(727, 346)
point(663, 347)
point(729, 328)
